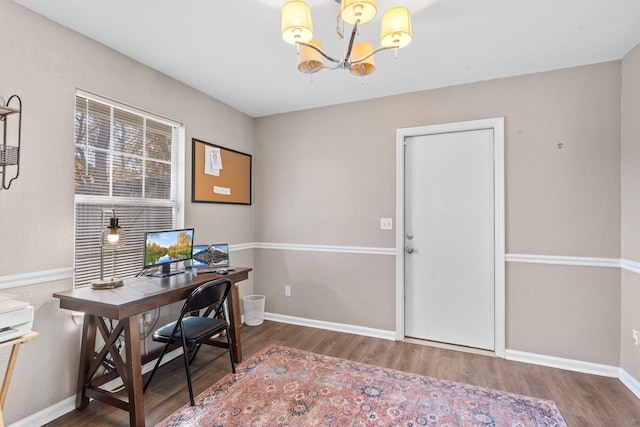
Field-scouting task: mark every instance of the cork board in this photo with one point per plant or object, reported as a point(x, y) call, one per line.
point(220, 175)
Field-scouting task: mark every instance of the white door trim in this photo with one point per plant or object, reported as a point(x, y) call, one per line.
point(497, 124)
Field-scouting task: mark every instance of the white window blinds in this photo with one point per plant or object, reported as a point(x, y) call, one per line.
point(130, 161)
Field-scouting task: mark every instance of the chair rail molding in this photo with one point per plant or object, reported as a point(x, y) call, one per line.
point(630, 265)
point(66, 273)
point(564, 260)
point(326, 248)
point(35, 277)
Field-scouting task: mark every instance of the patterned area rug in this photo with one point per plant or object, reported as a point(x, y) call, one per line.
point(280, 386)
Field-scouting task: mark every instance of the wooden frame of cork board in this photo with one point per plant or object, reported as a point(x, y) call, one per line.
point(229, 184)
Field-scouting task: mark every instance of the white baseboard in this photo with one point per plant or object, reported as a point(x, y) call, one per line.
point(332, 326)
point(514, 355)
point(59, 409)
point(567, 364)
point(631, 383)
point(47, 414)
point(69, 404)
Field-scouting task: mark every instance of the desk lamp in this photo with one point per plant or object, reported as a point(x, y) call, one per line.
point(112, 238)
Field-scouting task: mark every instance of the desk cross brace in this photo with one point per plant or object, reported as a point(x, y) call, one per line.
point(91, 363)
point(109, 347)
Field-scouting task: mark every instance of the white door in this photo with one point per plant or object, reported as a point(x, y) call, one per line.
point(449, 238)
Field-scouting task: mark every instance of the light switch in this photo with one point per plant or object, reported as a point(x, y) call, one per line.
point(386, 223)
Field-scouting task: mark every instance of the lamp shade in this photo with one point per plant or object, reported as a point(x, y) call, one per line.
point(359, 11)
point(308, 58)
point(396, 28)
point(296, 22)
point(113, 237)
point(366, 66)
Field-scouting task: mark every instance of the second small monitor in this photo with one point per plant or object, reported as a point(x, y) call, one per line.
point(211, 256)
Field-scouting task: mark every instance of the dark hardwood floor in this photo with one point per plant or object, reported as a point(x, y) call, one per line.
point(583, 399)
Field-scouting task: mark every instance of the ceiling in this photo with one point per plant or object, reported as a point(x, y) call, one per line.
point(232, 50)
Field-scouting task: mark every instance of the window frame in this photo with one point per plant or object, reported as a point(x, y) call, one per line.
point(84, 253)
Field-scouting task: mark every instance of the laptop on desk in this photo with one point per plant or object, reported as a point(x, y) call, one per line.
point(211, 258)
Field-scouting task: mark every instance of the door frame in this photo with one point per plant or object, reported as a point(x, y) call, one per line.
point(497, 125)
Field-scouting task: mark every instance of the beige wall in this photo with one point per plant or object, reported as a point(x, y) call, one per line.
point(562, 311)
point(326, 176)
point(44, 63)
point(342, 288)
point(630, 354)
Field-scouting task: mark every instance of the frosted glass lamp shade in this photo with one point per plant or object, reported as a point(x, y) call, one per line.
point(308, 58)
point(396, 28)
point(296, 22)
point(367, 66)
point(360, 11)
point(113, 237)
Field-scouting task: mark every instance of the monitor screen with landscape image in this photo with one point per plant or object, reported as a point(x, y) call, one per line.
point(216, 255)
point(164, 248)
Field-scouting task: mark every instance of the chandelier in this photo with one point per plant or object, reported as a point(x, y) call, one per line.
point(358, 58)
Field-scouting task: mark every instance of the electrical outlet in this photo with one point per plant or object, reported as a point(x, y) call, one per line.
point(386, 223)
point(287, 291)
point(145, 321)
point(636, 337)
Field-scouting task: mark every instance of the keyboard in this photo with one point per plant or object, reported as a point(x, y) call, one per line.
point(206, 269)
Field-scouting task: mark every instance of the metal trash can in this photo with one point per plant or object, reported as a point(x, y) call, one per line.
point(253, 308)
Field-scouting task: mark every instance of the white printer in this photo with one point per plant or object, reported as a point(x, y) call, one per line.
point(16, 317)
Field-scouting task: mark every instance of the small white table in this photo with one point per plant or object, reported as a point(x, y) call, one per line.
point(15, 343)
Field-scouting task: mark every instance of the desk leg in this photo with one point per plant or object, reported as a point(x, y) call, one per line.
point(133, 374)
point(235, 320)
point(86, 357)
point(128, 369)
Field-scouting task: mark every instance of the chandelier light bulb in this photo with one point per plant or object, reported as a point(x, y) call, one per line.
point(359, 60)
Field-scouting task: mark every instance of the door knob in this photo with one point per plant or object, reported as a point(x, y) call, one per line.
point(409, 249)
point(409, 236)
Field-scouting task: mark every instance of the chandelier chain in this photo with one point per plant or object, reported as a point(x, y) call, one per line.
point(339, 28)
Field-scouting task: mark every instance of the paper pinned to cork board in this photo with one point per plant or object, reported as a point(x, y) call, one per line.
point(212, 161)
point(222, 190)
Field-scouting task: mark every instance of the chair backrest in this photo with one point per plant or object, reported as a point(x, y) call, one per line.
point(212, 293)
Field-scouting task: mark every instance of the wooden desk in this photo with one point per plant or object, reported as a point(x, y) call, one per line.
point(15, 343)
point(125, 304)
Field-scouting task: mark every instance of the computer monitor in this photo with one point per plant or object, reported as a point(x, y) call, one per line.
point(201, 255)
point(163, 248)
point(211, 255)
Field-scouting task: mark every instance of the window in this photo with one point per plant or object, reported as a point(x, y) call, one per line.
point(130, 161)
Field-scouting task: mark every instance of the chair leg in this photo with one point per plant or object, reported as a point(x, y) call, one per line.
point(153, 372)
point(233, 366)
point(185, 357)
point(195, 352)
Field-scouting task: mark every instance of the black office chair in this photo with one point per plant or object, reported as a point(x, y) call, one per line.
point(198, 330)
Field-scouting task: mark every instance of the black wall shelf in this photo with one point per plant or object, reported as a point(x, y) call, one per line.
point(10, 154)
